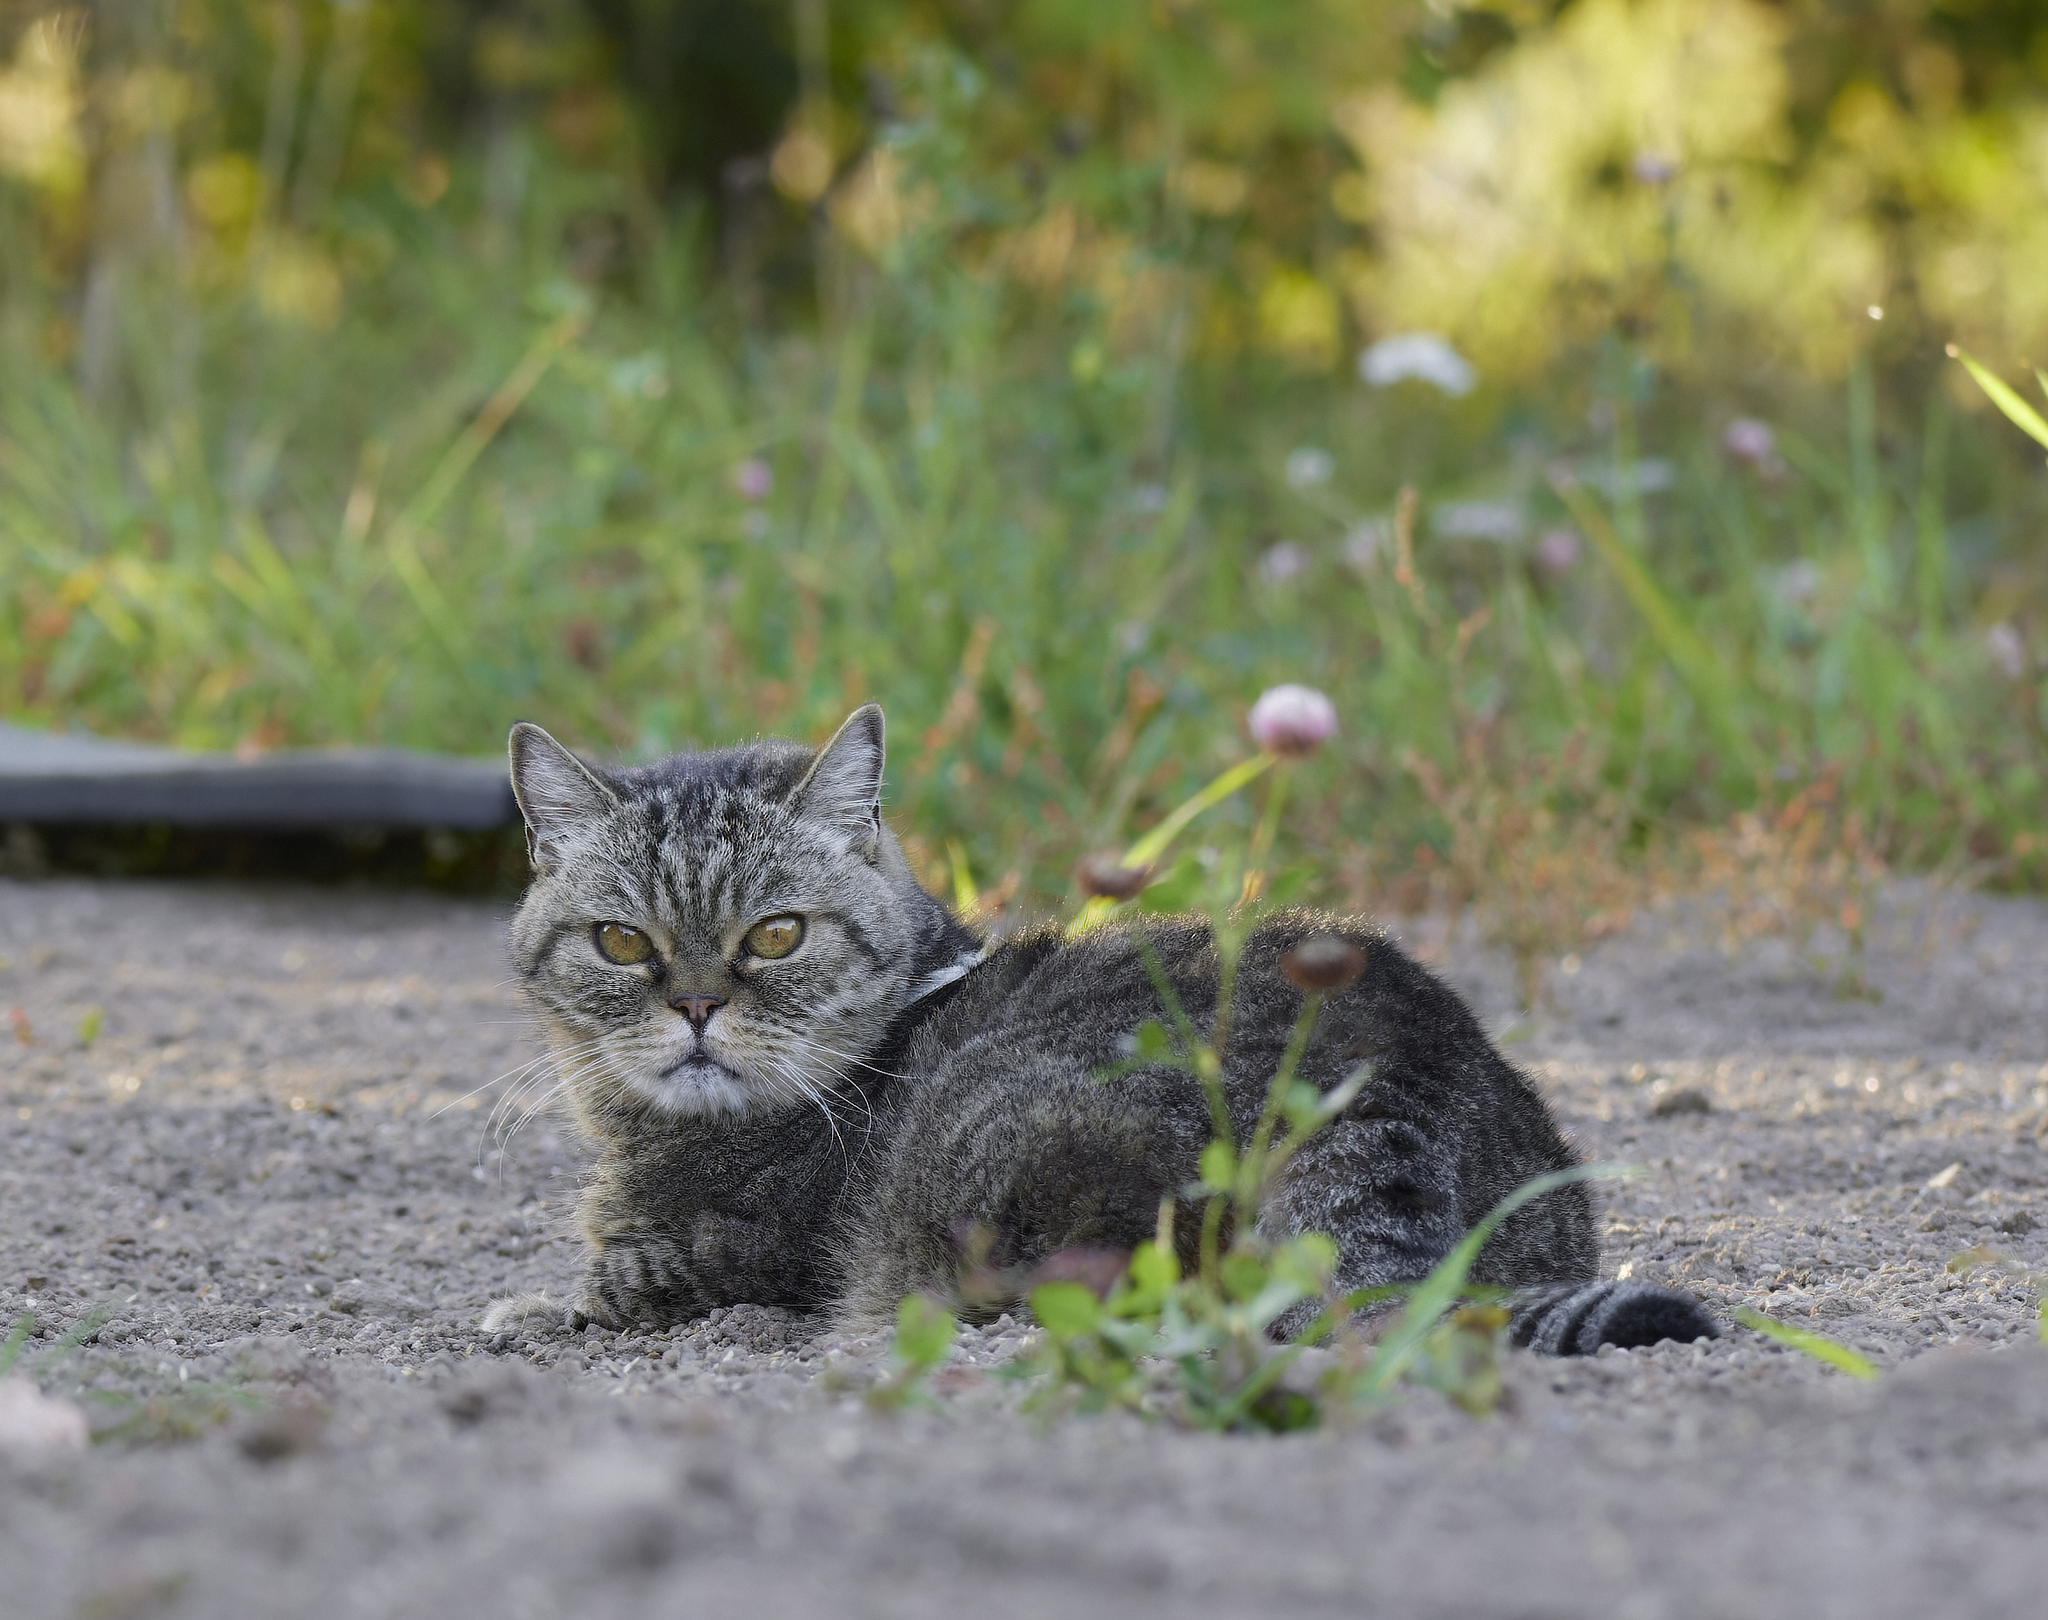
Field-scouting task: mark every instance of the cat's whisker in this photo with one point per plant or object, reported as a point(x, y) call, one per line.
point(524, 1076)
point(822, 1099)
point(826, 1097)
point(552, 1072)
point(535, 1093)
point(526, 1108)
point(811, 1093)
point(478, 1091)
point(816, 1045)
point(852, 1060)
point(608, 1074)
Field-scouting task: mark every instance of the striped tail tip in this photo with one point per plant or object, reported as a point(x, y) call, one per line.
point(1576, 1319)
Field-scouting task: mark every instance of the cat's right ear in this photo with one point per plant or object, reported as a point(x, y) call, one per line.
point(843, 787)
point(556, 791)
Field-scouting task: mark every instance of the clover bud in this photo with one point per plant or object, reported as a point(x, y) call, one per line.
point(754, 479)
point(1557, 550)
point(2008, 651)
point(1754, 445)
point(1105, 877)
point(1749, 441)
point(1292, 721)
point(1323, 962)
point(1654, 168)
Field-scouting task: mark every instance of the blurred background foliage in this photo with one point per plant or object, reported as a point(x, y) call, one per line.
point(1056, 372)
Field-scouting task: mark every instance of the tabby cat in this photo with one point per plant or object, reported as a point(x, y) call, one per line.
point(806, 1080)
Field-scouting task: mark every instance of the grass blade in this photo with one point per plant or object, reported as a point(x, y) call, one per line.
point(1441, 1289)
point(75, 1335)
point(1817, 1345)
point(401, 540)
point(1687, 650)
point(2023, 416)
point(17, 1336)
point(1150, 847)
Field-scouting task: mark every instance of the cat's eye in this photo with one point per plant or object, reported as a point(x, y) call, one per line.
point(625, 946)
point(774, 936)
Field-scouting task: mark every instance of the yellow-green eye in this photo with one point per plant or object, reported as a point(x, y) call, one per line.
point(625, 946)
point(775, 936)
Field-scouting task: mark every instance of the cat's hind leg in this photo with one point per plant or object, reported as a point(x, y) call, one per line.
point(1387, 1194)
point(1383, 1188)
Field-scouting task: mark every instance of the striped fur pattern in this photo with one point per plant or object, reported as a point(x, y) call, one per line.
point(825, 1141)
point(721, 1145)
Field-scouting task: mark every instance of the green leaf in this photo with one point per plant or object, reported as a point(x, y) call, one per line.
point(1283, 888)
point(1181, 889)
point(1132, 1339)
point(1339, 1097)
point(1698, 664)
point(1280, 1295)
point(1302, 1106)
point(1151, 1042)
point(1243, 1275)
point(1066, 1310)
point(1219, 1166)
point(1153, 844)
point(1307, 1261)
point(1284, 1410)
point(925, 1330)
point(1817, 1345)
point(2022, 415)
point(1153, 1269)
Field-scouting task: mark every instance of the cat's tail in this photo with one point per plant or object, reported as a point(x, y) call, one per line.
point(1577, 1318)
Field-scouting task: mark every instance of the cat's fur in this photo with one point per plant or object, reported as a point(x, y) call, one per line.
point(826, 1135)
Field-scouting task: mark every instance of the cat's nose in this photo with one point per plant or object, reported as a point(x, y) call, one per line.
point(698, 1009)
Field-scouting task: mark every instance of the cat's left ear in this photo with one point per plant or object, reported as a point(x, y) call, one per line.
point(557, 792)
point(843, 787)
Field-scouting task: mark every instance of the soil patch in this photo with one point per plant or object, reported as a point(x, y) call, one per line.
point(257, 1123)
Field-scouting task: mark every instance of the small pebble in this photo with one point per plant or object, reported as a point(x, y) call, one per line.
point(33, 1424)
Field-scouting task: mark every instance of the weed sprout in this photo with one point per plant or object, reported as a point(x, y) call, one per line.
point(1191, 1335)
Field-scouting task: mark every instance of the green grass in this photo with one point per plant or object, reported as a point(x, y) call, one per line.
point(1823, 1349)
point(494, 492)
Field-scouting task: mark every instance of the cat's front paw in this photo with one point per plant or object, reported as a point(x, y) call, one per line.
point(526, 1312)
point(591, 1308)
point(637, 1282)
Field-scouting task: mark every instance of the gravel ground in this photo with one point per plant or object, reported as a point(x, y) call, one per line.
point(250, 1120)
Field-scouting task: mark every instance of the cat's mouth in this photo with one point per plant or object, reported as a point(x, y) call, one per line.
point(699, 1063)
point(700, 1084)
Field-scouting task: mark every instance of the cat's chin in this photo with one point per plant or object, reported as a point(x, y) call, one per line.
point(699, 1085)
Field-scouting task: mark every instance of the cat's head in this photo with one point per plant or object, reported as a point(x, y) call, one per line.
point(721, 932)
